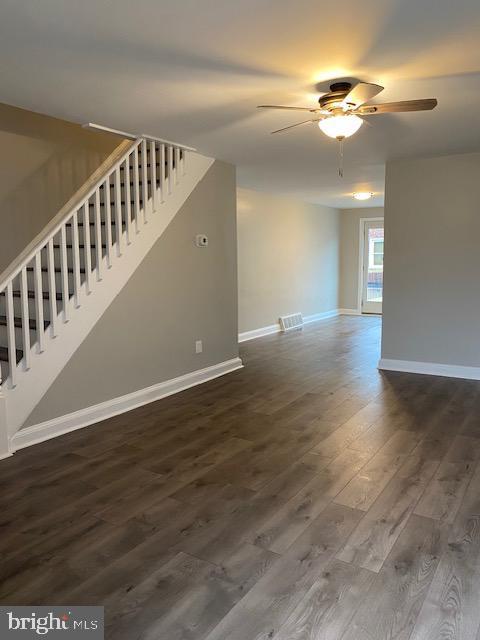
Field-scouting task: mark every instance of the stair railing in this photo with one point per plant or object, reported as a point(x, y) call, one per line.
point(46, 284)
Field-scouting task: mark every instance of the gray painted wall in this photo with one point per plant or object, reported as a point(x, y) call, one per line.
point(179, 294)
point(431, 307)
point(288, 255)
point(349, 248)
point(43, 162)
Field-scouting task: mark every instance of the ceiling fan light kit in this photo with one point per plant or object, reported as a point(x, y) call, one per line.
point(340, 126)
point(341, 111)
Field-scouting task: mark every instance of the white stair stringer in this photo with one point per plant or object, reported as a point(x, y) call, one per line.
point(31, 385)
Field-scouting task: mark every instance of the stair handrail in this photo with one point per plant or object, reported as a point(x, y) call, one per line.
point(135, 136)
point(109, 165)
point(172, 158)
point(84, 192)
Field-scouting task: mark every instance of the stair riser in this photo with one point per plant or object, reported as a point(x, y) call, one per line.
point(81, 240)
point(58, 281)
point(123, 198)
point(18, 337)
point(69, 235)
point(57, 258)
point(17, 307)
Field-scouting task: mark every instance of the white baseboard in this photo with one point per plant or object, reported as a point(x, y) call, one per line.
point(275, 328)
point(430, 368)
point(324, 315)
point(349, 312)
point(84, 417)
point(258, 333)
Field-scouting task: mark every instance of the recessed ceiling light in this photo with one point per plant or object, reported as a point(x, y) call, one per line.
point(363, 195)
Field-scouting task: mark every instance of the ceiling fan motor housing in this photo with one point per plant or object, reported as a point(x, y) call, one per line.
point(338, 92)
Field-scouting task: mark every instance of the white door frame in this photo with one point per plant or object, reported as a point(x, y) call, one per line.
point(361, 250)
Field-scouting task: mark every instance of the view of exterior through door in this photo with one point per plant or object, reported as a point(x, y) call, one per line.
point(372, 265)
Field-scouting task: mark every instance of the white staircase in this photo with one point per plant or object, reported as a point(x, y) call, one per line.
point(58, 288)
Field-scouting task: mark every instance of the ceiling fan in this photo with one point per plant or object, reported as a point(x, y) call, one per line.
point(341, 111)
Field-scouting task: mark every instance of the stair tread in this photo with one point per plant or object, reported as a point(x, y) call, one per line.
point(18, 322)
point(80, 246)
point(122, 183)
point(148, 165)
point(4, 354)
point(31, 294)
point(57, 269)
point(92, 223)
point(112, 203)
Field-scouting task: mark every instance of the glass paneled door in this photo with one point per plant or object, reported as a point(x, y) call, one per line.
point(372, 272)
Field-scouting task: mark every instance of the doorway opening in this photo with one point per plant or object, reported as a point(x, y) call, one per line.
point(371, 265)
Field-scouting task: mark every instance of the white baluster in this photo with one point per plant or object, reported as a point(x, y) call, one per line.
point(12, 349)
point(183, 162)
point(76, 260)
point(177, 165)
point(98, 235)
point(64, 273)
point(118, 212)
point(162, 172)
point(153, 173)
point(128, 203)
point(136, 186)
point(25, 319)
point(108, 220)
point(39, 302)
point(52, 288)
point(170, 167)
point(144, 179)
point(87, 255)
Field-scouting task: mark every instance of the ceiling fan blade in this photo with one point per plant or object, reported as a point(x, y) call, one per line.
point(292, 126)
point(279, 106)
point(362, 92)
point(397, 107)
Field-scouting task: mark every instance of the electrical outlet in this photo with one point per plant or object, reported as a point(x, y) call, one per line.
point(198, 346)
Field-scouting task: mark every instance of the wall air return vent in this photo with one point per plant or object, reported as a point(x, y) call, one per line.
point(293, 321)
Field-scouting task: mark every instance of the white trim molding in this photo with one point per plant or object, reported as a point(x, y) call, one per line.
point(324, 315)
point(349, 312)
point(275, 328)
point(90, 415)
point(4, 440)
point(430, 368)
point(258, 333)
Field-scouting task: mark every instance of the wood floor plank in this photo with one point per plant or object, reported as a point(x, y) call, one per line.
point(362, 491)
point(442, 497)
point(263, 610)
point(451, 609)
point(294, 517)
point(350, 430)
point(329, 605)
point(390, 607)
point(373, 539)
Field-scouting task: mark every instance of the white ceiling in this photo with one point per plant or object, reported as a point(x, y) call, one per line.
point(194, 70)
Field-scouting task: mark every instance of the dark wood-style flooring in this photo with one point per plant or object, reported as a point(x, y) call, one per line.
point(307, 496)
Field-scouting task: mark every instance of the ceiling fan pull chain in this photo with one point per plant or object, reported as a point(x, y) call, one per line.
point(340, 156)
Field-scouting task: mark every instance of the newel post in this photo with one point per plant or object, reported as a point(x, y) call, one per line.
point(4, 440)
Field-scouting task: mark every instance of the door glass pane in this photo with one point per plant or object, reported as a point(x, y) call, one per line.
point(375, 265)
